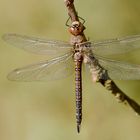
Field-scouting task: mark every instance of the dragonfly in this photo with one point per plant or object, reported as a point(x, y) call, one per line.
point(70, 58)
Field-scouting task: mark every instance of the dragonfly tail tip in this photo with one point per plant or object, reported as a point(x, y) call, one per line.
point(78, 128)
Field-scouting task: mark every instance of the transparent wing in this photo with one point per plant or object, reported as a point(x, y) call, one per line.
point(116, 46)
point(37, 45)
point(44, 71)
point(120, 70)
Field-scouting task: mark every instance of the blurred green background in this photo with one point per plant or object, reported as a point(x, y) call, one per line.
point(46, 111)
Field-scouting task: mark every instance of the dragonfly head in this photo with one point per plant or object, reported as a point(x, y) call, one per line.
point(76, 28)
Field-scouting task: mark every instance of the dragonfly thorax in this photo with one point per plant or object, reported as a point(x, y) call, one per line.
point(78, 56)
point(83, 48)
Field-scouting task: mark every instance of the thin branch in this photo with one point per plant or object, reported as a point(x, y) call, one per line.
point(71, 10)
point(120, 95)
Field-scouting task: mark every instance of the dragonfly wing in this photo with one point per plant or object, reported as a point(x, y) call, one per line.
point(37, 45)
point(44, 71)
point(118, 70)
point(116, 46)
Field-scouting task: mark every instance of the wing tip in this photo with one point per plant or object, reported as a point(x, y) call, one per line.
point(13, 75)
point(7, 36)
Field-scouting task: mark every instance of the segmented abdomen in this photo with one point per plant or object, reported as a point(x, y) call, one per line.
point(78, 89)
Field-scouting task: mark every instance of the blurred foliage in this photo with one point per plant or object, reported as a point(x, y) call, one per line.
point(41, 111)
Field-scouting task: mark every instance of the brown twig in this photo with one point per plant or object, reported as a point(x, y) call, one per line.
point(120, 95)
point(71, 10)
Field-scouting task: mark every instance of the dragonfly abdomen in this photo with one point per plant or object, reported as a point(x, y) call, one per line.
point(78, 88)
